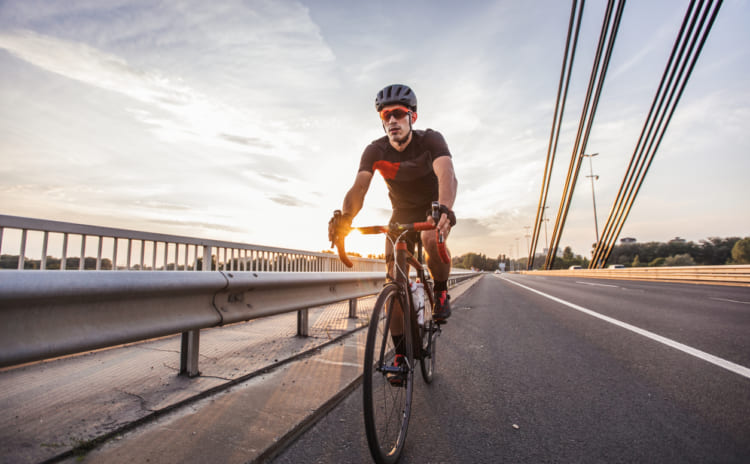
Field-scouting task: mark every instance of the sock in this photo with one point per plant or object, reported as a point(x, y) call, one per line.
point(441, 286)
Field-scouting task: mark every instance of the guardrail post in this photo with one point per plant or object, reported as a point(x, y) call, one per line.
point(189, 353)
point(302, 323)
point(353, 308)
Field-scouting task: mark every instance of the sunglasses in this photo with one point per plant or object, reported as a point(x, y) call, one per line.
point(398, 113)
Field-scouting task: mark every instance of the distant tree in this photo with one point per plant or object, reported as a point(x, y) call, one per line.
point(656, 262)
point(715, 250)
point(636, 261)
point(741, 251)
point(683, 259)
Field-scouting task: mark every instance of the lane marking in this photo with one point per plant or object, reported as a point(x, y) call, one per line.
point(339, 363)
point(723, 363)
point(731, 301)
point(596, 285)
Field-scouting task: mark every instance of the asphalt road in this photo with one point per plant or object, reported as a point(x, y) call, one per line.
point(524, 378)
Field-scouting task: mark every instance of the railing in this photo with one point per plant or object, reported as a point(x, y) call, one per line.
point(737, 275)
point(122, 249)
point(49, 314)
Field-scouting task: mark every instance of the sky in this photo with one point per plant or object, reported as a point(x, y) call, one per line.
point(245, 120)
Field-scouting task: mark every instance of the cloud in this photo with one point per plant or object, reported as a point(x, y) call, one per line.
point(247, 141)
point(81, 62)
point(289, 200)
point(172, 109)
point(274, 177)
point(188, 112)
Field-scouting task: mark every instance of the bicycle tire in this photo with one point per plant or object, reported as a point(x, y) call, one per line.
point(387, 408)
point(429, 334)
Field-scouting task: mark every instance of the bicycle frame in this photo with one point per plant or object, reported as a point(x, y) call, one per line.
point(402, 259)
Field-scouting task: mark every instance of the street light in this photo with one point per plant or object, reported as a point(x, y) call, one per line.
point(528, 246)
point(593, 197)
point(546, 220)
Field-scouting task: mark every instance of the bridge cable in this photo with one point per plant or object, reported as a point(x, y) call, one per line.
point(570, 49)
point(610, 27)
point(635, 176)
point(637, 157)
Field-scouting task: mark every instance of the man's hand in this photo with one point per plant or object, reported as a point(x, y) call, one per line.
point(339, 226)
point(446, 222)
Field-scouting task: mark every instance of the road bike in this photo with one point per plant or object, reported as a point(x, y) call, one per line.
point(388, 382)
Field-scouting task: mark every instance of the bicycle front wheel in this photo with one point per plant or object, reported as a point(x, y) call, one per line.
point(387, 388)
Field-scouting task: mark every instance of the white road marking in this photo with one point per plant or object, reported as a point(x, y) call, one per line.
point(596, 285)
point(338, 363)
point(723, 363)
point(731, 301)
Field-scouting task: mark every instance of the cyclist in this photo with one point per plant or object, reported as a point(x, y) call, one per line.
point(418, 169)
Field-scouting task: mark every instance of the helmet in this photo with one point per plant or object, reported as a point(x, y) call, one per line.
point(396, 94)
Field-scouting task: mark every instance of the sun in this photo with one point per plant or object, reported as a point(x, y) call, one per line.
point(365, 245)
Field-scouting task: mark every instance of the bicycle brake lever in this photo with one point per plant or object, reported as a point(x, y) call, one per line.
point(436, 212)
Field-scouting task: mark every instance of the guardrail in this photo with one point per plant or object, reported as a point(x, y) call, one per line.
point(48, 314)
point(122, 249)
point(59, 313)
point(737, 275)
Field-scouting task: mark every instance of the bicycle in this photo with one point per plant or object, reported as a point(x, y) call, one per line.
point(388, 383)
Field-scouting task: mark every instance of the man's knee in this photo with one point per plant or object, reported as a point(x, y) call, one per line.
point(428, 239)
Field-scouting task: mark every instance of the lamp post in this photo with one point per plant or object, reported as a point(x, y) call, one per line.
point(546, 220)
point(528, 246)
point(593, 197)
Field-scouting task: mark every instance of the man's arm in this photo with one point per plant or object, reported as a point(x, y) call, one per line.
point(355, 197)
point(447, 188)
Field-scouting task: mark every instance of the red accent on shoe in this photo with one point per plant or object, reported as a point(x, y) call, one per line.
point(397, 380)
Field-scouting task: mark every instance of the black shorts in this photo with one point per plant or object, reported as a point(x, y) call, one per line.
point(406, 216)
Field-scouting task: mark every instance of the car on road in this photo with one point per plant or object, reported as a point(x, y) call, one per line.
point(615, 266)
point(575, 267)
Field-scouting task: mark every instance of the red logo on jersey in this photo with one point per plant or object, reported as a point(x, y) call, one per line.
point(387, 169)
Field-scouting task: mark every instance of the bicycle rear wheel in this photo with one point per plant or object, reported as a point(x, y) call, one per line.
point(387, 407)
point(429, 334)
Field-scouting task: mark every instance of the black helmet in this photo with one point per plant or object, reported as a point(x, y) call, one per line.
point(396, 94)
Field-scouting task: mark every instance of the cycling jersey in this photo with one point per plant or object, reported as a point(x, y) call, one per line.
point(412, 184)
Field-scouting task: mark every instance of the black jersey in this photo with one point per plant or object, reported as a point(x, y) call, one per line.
point(412, 183)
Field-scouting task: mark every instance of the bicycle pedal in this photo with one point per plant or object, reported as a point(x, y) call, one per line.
point(396, 380)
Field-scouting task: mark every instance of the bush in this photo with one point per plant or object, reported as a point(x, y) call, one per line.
point(741, 251)
point(657, 262)
point(680, 260)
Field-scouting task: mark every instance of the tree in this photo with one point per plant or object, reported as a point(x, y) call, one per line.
point(683, 259)
point(741, 251)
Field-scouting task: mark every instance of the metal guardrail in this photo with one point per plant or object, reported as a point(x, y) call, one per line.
point(122, 249)
point(737, 275)
point(49, 314)
point(53, 314)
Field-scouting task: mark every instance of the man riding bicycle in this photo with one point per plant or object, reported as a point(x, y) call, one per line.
point(418, 169)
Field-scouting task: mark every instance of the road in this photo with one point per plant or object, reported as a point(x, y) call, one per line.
point(654, 373)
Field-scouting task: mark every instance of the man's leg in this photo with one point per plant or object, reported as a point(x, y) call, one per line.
point(397, 319)
point(440, 272)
